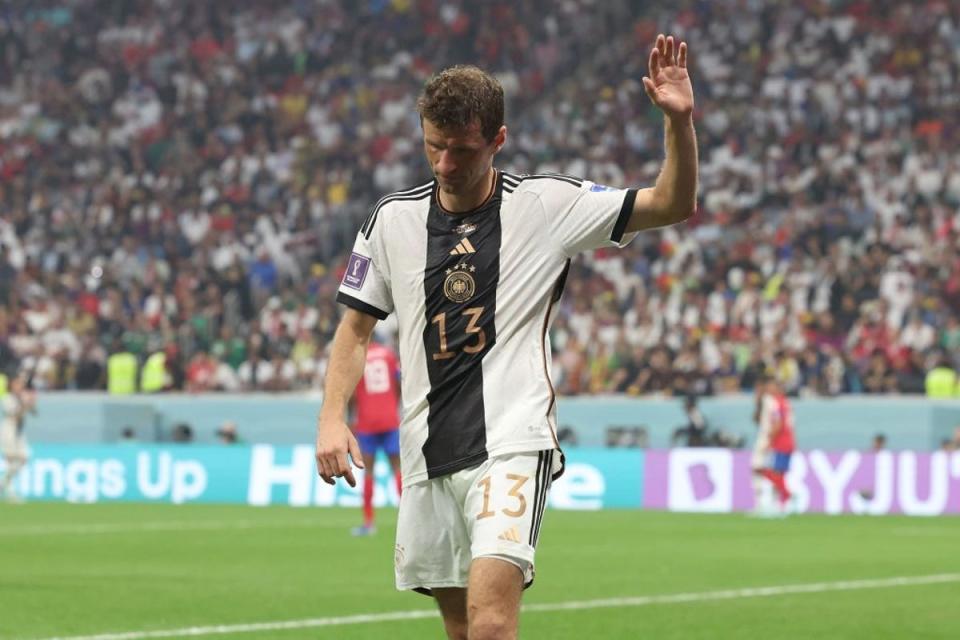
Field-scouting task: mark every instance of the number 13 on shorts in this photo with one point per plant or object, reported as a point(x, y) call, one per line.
point(492, 510)
point(505, 504)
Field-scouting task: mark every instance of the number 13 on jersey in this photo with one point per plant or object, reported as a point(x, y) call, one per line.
point(472, 329)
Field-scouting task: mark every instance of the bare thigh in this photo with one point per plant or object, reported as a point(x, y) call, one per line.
point(493, 598)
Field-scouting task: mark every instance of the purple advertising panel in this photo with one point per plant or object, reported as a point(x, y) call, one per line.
point(719, 480)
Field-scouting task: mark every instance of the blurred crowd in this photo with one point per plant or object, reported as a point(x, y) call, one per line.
point(180, 184)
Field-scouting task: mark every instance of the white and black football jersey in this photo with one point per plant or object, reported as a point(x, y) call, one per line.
point(474, 295)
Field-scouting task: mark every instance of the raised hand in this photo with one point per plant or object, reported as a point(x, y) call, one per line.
point(668, 84)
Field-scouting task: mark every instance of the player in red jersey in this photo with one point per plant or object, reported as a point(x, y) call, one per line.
point(377, 424)
point(782, 441)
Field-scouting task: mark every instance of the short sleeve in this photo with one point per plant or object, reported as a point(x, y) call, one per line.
point(364, 286)
point(588, 216)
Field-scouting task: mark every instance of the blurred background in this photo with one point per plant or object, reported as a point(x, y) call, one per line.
point(180, 184)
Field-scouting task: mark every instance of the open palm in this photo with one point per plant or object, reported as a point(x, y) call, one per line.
point(668, 84)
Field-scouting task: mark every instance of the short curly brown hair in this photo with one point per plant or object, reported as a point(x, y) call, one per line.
point(455, 97)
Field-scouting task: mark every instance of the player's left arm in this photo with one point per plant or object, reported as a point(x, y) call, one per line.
point(673, 198)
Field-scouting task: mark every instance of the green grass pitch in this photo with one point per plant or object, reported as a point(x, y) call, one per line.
point(92, 570)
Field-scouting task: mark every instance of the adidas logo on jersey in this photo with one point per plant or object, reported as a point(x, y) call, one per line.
point(463, 247)
point(510, 535)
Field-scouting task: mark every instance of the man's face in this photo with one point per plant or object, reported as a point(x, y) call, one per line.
point(460, 158)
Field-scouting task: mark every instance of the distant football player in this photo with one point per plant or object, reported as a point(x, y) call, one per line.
point(377, 424)
point(782, 441)
point(760, 461)
point(18, 401)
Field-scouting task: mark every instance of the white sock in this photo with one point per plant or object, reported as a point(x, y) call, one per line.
point(758, 492)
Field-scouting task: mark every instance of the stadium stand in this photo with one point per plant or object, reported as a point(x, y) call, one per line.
point(182, 182)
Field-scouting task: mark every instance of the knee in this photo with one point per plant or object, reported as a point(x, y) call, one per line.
point(488, 624)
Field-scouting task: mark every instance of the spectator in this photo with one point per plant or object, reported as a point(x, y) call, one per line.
point(229, 348)
point(658, 375)
point(201, 372)
point(182, 433)
point(917, 335)
point(910, 377)
point(227, 433)
point(153, 375)
point(263, 276)
point(694, 433)
point(284, 374)
point(121, 370)
point(225, 378)
point(567, 437)
point(752, 372)
point(90, 371)
point(879, 443)
point(828, 225)
point(879, 377)
point(787, 372)
point(175, 374)
point(256, 373)
point(941, 381)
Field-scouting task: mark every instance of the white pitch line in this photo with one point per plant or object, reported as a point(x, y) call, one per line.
point(749, 592)
point(167, 525)
point(639, 601)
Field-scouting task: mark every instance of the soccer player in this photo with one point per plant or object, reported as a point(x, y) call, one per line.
point(13, 443)
point(377, 422)
point(473, 264)
point(782, 441)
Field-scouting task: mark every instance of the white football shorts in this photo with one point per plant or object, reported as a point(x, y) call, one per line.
point(761, 453)
point(13, 444)
point(492, 510)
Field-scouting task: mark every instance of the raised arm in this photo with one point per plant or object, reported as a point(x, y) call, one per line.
point(674, 196)
point(347, 359)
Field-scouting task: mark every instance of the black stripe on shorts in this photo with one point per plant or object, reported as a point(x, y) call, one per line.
point(536, 494)
point(543, 487)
